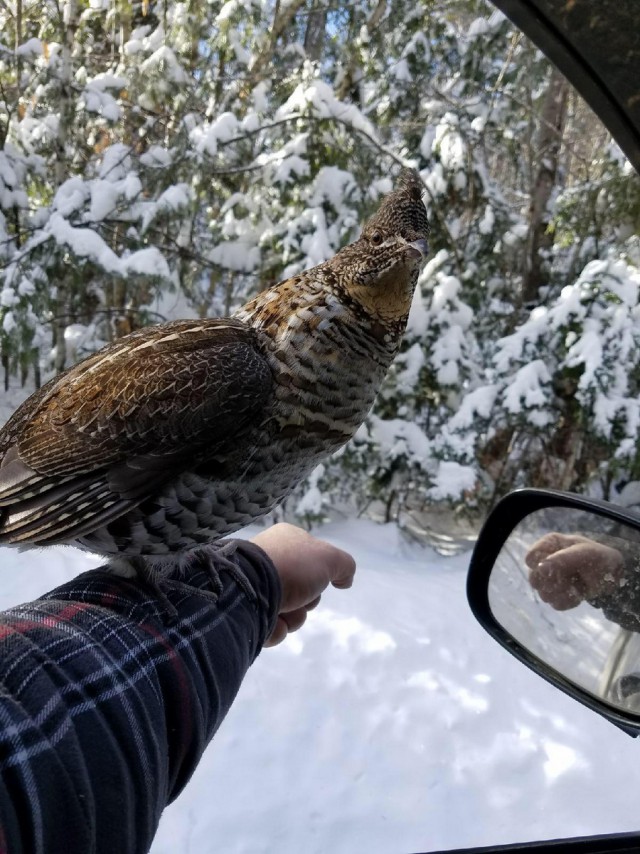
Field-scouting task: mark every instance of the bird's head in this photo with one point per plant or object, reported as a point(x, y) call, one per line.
point(380, 270)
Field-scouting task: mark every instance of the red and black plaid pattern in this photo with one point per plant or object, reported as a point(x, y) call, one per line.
point(108, 700)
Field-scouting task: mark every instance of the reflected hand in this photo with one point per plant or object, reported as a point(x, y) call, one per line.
point(306, 566)
point(566, 569)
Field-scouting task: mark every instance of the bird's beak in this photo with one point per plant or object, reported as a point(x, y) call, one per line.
point(421, 246)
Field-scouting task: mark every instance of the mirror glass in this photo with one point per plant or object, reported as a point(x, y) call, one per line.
point(566, 585)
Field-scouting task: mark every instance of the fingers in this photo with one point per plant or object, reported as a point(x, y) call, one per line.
point(342, 570)
point(278, 634)
point(295, 619)
point(550, 544)
point(560, 590)
point(289, 622)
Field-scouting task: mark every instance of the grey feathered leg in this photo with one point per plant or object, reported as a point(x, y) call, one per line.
point(144, 571)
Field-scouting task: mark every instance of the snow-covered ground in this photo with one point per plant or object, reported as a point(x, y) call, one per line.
point(389, 723)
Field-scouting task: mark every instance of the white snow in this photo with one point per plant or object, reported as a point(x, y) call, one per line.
point(435, 181)
point(478, 27)
point(398, 438)
point(419, 317)
point(8, 297)
point(86, 243)
point(146, 262)
point(318, 98)
point(287, 160)
point(409, 365)
point(30, 49)
point(230, 8)
point(70, 196)
point(400, 71)
point(477, 403)
point(156, 157)
point(525, 389)
point(96, 98)
point(485, 226)
point(222, 129)
point(104, 199)
point(587, 351)
point(448, 352)
point(175, 197)
point(389, 723)
point(236, 255)
point(596, 319)
point(332, 185)
point(452, 480)
point(8, 322)
point(312, 501)
point(164, 60)
point(116, 162)
point(449, 144)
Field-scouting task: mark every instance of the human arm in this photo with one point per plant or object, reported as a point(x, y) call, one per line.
point(107, 704)
point(603, 570)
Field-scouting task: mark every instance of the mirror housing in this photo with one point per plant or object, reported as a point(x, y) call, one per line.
point(501, 549)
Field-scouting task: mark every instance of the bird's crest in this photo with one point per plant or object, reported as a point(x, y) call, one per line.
point(402, 209)
point(409, 184)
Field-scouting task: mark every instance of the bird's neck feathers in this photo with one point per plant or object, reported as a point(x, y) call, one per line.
point(301, 304)
point(317, 299)
point(386, 303)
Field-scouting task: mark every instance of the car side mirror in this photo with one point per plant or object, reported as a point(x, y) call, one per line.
point(555, 579)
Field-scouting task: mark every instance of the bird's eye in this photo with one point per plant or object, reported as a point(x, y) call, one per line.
point(376, 238)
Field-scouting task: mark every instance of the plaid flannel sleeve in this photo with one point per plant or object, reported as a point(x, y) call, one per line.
point(108, 700)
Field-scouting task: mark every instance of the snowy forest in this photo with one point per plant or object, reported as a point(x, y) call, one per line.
point(165, 159)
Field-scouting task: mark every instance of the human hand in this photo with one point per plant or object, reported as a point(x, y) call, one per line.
point(565, 569)
point(306, 566)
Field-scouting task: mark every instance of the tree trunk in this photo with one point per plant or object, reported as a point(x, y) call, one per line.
point(350, 79)
point(61, 170)
point(315, 32)
point(282, 18)
point(539, 241)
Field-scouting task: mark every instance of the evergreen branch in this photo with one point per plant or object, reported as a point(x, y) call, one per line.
point(376, 144)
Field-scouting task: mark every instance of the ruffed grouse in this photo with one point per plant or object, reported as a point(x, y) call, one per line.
point(181, 433)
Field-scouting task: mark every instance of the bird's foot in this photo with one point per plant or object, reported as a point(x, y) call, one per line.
point(144, 571)
point(209, 559)
point(221, 554)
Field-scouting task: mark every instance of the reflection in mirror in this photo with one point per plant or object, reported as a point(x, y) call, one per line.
point(566, 585)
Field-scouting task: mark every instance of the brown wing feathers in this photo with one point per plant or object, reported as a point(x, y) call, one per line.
point(119, 425)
